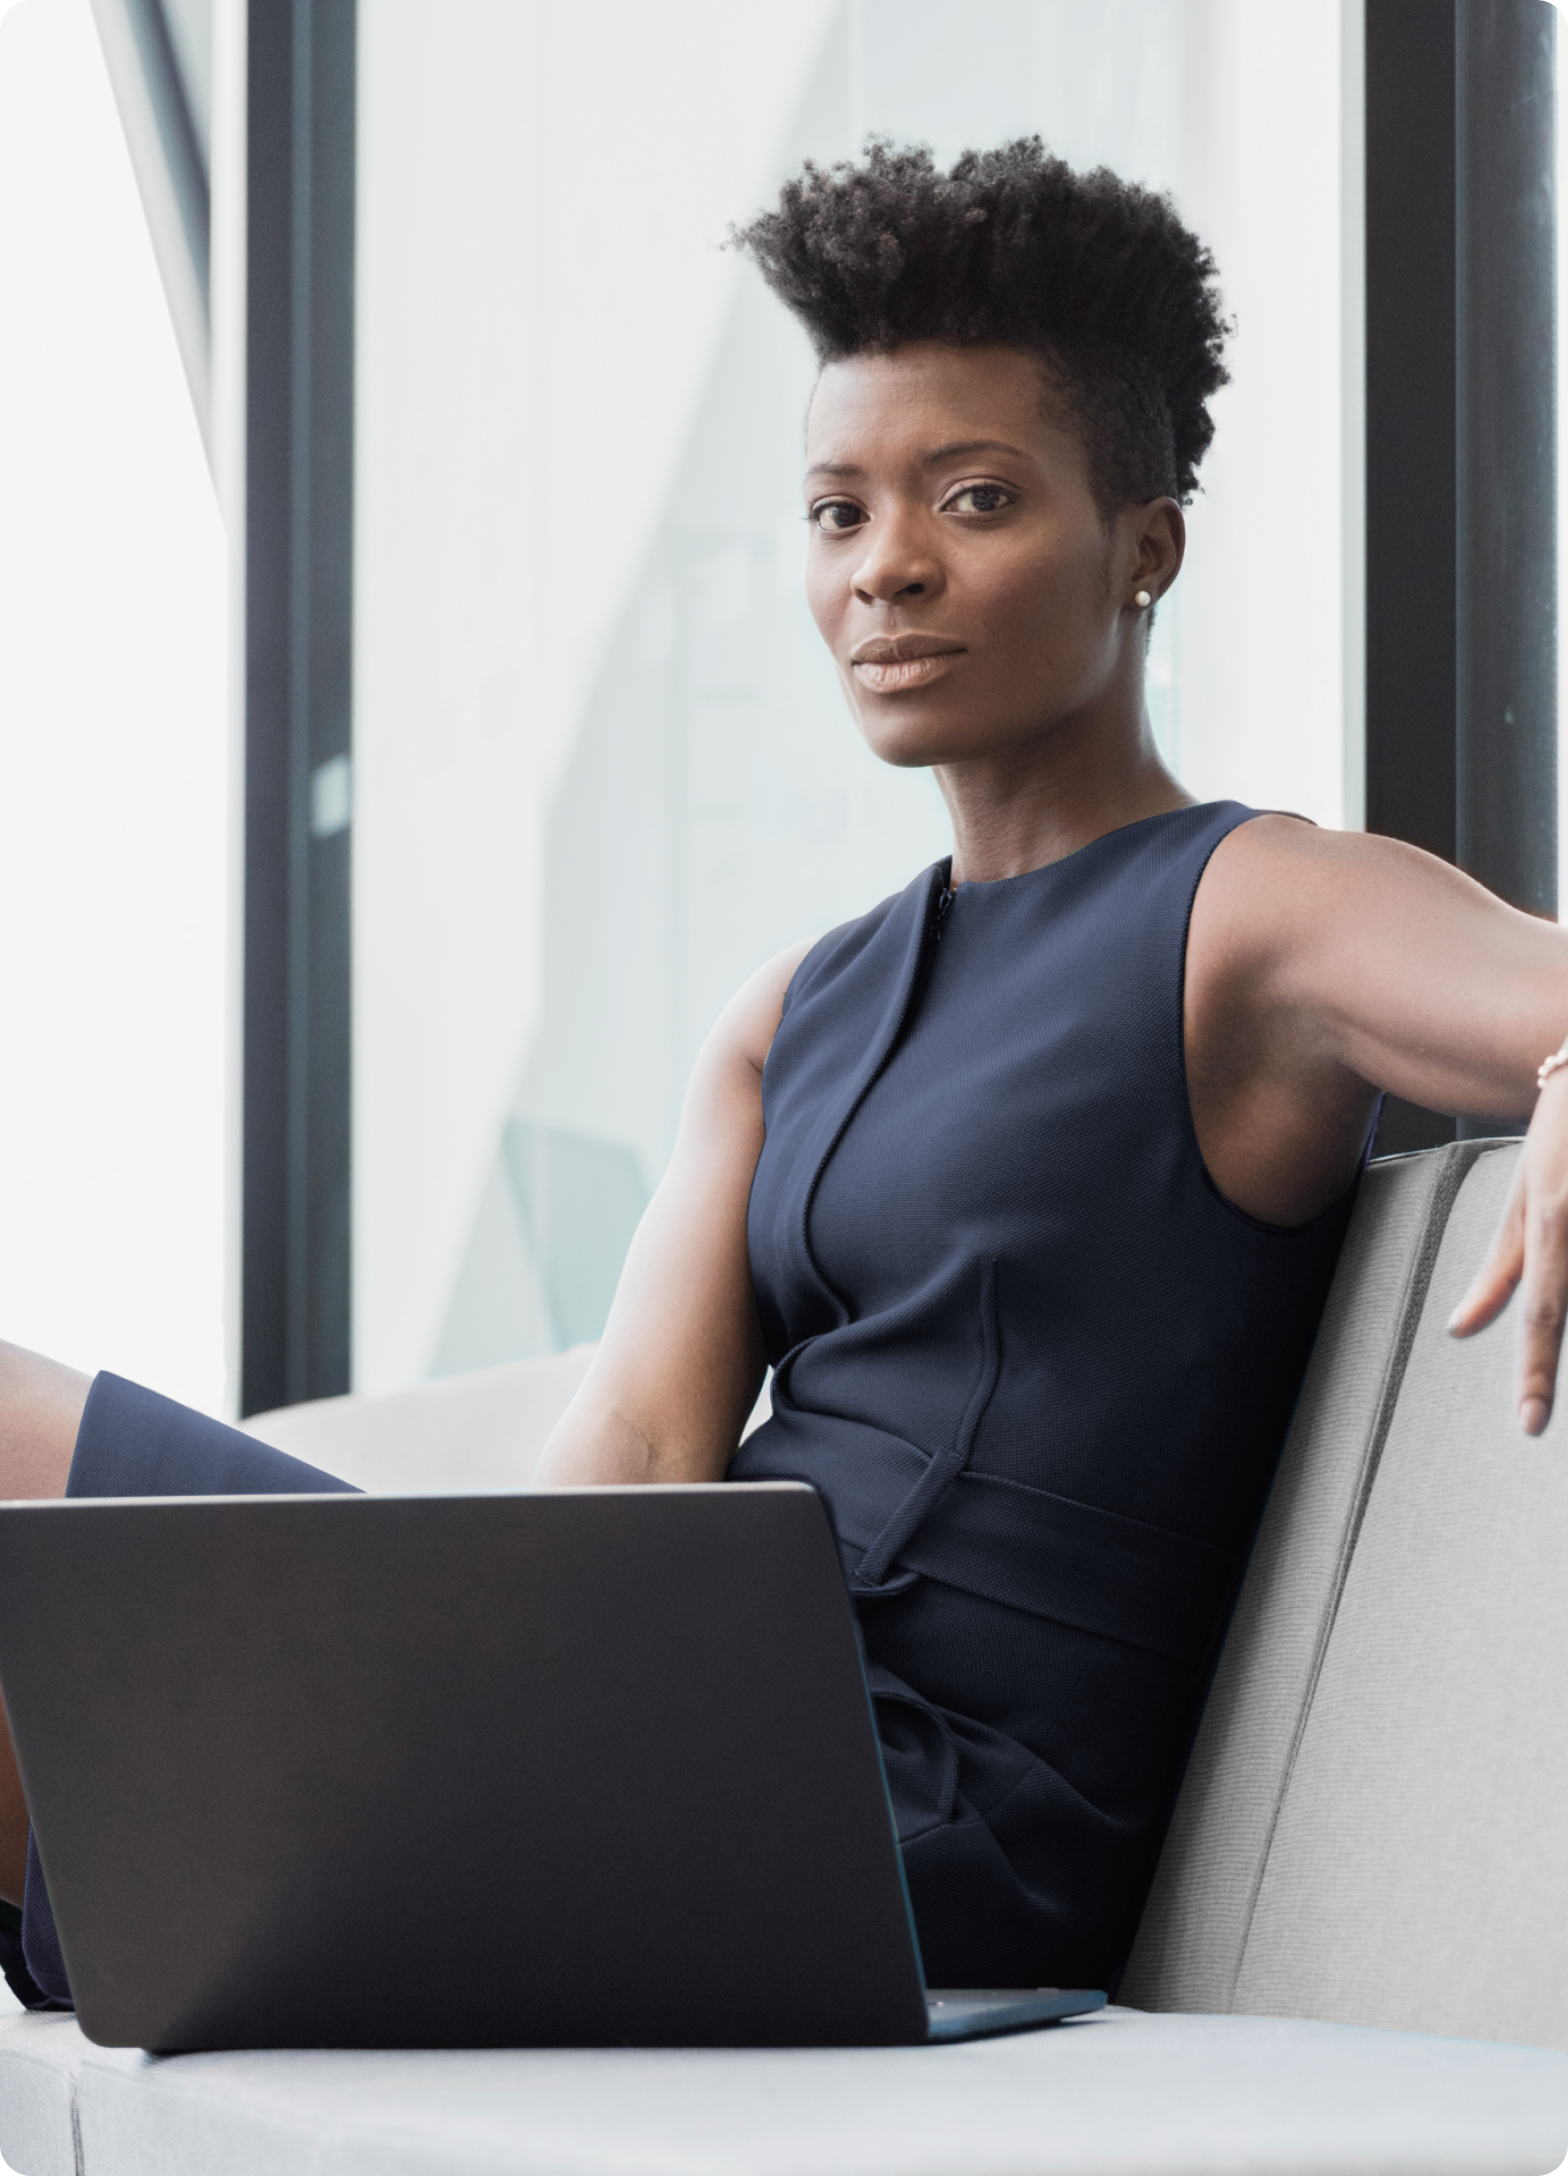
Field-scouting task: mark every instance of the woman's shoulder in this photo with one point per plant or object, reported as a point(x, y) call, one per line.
point(1277, 865)
point(826, 958)
point(1301, 928)
point(749, 1022)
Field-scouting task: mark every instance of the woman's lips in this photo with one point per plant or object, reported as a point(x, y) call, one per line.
point(894, 675)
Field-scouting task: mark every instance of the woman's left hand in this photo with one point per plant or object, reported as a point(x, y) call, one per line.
point(1530, 1253)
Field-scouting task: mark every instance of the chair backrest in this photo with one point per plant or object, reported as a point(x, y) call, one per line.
point(1373, 1828)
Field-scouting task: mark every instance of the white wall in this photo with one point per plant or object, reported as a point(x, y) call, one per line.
point(112, 756)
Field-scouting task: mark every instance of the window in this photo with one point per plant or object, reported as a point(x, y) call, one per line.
point(603, 769)
point(113, 755)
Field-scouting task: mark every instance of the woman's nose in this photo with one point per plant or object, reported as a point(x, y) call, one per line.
point(893, 567)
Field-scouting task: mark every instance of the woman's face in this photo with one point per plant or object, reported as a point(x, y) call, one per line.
point(973, 594)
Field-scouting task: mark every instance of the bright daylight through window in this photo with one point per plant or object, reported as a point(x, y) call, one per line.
point(113, 755)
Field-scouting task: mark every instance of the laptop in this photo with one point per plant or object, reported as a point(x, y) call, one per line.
point(592, 1767)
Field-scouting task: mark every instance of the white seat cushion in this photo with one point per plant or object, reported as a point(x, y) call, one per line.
point(39, 2058)
point(1123, 2094)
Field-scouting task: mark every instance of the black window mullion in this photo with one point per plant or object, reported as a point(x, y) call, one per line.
point(299, 597)
point(1461, 581)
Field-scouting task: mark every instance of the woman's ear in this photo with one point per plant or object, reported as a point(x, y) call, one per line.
point(1156, 543)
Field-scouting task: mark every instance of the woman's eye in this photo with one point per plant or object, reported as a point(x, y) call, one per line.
point(837, 514)
point(979, 499)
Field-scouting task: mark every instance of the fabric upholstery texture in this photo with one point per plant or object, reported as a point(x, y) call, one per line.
point(40, 2054)
point(1419, 1869)
point(1118, 2095)
point(1371, 1828)
point(1198, 1917)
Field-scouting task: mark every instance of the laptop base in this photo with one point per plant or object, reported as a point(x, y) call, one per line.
point(981, 2013)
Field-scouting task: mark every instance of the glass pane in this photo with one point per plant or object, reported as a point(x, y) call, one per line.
point(603, 766)
point(114, 818)
point(190, 34)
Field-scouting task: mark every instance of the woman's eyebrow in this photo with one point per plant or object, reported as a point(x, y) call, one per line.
point(927, 460)
point(974, 445)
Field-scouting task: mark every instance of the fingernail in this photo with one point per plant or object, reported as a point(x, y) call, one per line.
point(1534, 1415)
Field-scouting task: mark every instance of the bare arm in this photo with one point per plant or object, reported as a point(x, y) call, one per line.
point(1327, 965)
point(681, 1360)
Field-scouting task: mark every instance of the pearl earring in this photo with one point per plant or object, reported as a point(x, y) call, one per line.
point(1143, 600)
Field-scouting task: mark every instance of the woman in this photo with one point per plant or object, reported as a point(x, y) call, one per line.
point(1029, 1184)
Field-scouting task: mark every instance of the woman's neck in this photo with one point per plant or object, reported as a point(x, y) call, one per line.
point(1020, 808)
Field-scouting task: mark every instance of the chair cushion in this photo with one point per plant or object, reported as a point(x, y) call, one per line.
point(1117, 2095)
point(40, 2054)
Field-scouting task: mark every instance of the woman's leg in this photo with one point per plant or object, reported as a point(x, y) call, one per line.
point(40, 1411)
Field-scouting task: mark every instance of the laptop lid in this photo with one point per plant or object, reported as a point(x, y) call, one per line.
point(587, 1767)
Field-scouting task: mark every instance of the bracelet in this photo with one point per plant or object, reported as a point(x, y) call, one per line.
point(1549, 1066)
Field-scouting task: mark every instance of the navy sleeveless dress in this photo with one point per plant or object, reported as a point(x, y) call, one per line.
point(1037, 1367)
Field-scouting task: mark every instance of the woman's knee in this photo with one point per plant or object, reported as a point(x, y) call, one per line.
point(41, 1406)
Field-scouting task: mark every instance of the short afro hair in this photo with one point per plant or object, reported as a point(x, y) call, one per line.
point(1095, 275)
